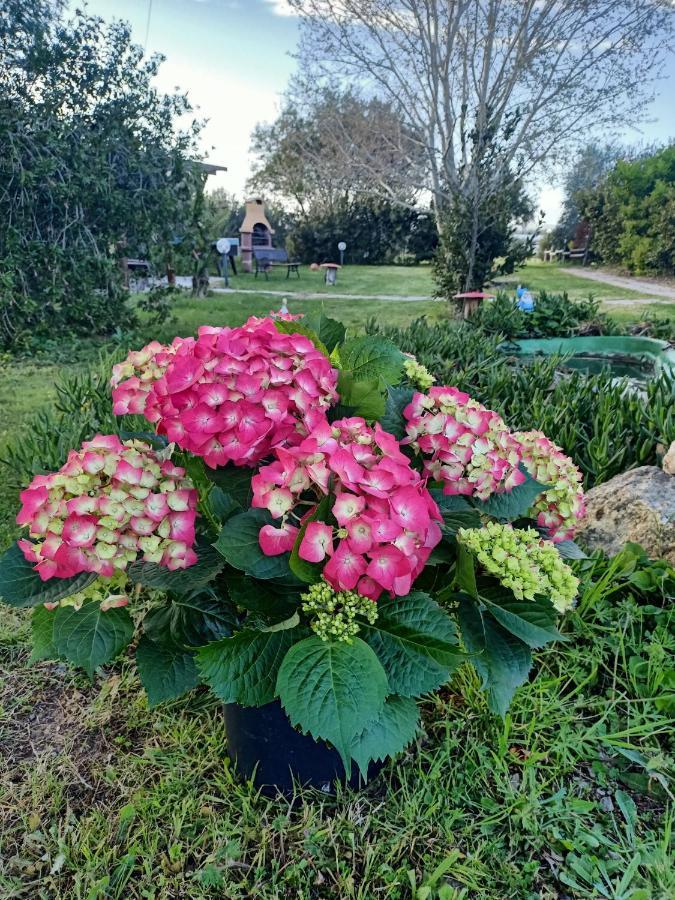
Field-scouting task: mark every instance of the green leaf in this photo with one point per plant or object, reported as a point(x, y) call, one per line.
point(233, 480)
point(372, 356)
point(222, 505)
point(397, 399)
point(457, 512)
point(570, 550)
point(363, 397)
point(500, 658)
point(533, 621)
point(513, 504)
point(243, 668)
point(209, 564)
point(238, 543)
point(263, 598)
point(306, 571)
point(466, 572)
point(166, 672)
point(42, 632)
point(296, 328)
point(330, 331)
point(291, 622)
point(190, 619)
point(88, 637)
point(415, 641)
point(332, 690)
point(21, 586)
point(388, 734)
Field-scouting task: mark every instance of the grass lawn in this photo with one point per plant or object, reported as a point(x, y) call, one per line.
point(541, 276)
point(103, 798)
point(368, 280)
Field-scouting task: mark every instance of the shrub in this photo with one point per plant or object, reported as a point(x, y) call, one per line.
point(554, 315)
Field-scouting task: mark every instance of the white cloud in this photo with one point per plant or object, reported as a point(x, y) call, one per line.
point(280, 7)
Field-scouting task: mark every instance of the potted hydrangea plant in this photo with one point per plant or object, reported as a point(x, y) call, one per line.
point(312, 530)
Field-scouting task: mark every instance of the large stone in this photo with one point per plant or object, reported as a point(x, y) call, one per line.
point(637, 506)
point(668, 464)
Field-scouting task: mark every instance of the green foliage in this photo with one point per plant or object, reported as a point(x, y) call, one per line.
point(152, 575)
point(165, 670)
point(190, 620)
point(477, 240)
point(515, 503)
point(632, 213)
point(243, 668)
point(554, 315)
point(20, 584)
point(93, 169)
point(88, 637)
point(388, 734)
point(238, 543)
point(332, 690)
point(372, 357)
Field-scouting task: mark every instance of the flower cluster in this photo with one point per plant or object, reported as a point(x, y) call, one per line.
point(110, 502)
point(561, 506)
point(382, 524)
point(417, 374)
point(465, 446)
point(109, 593)
point(283, 315)
point(522, 562)
point(234, 394)
point(132, 380)
point(334, 612)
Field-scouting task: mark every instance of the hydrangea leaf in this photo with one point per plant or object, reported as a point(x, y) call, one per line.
point(243, 668)
point(233, 480)
point(388, 734)
point(166, 672)
point(269, 600)
point(360, 397)
point(533, 621)
point(332, 690)
point(152, 575)
point(512, 504)
point(500, 658)
point(222, 504)
point(570, 550)
point(21, 586)
point(42, 633)
point(330, 331)
point(89, 637)
point(239, 544)
point(372, 356)
point(191, 619)
point(466, 571)
point(415, 641)
point(397, 399)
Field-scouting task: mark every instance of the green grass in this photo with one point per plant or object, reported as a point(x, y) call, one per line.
point(102, 798)
point(367, 280)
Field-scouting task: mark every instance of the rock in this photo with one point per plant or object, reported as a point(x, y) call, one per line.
point(668, 464)
point(637, 506)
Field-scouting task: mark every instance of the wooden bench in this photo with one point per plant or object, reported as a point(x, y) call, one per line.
point(267, 258)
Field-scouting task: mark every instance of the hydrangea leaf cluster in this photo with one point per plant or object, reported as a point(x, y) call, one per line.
point(234, 394)
point(560, 507)
point(110, 593)
point(522, 562)
point(110, 504)
point(386, 522)
point(417, 374)
point(333, 613)
point(465, 446)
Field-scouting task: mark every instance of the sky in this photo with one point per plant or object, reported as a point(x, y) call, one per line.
point(234, 59)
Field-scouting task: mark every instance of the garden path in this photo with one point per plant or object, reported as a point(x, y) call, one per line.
point(655, 288)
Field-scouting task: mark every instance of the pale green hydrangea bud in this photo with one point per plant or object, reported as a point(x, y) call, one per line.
point(417, 374)
point(523, 562)
point(109, 592)
point(333, 613)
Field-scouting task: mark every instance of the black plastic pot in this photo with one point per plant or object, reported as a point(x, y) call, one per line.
point(264, 747)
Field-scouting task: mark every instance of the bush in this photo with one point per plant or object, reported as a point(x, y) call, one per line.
point(554, 315)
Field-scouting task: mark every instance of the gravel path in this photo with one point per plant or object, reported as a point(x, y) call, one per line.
point(655, 288)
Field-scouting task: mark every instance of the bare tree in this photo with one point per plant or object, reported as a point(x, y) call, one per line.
point(488, 89)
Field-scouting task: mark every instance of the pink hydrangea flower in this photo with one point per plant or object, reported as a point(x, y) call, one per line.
point(233, 394)
point(464, 445)
point(561, 506)
point(382, 524)
point(110, 504)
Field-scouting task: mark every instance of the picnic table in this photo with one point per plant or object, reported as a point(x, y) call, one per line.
point(267, 258)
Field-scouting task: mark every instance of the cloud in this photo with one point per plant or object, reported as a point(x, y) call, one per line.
point(280, 7)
